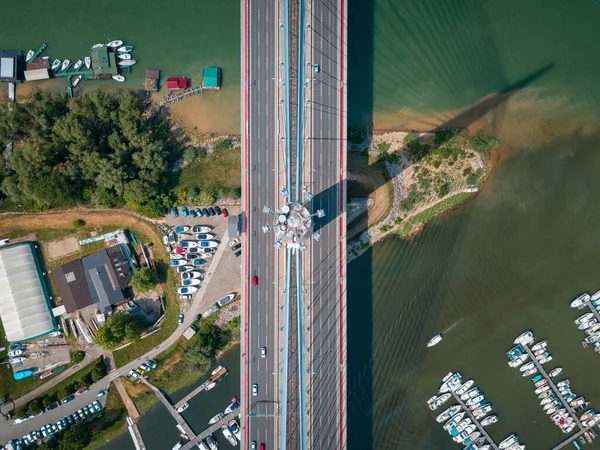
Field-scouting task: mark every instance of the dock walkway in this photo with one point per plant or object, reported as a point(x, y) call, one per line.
point(572, 438)
point(593, 310)
point(553, 386)
point(178, 418)
point(135, 434)
point(475, 421)
point(176, 98)
point(210, 430)
point(213, 378)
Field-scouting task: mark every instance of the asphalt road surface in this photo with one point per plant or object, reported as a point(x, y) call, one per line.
point(324, 316)
point(264, 187)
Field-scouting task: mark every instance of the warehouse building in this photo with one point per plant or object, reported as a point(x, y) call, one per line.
point(25, 308)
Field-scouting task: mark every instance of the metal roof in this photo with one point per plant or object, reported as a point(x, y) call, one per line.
point(37, 74)
point(7, 67)
point(103, 62)
point(211, 77)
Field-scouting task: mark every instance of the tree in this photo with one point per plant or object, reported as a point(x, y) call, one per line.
point(105, 338)
point(34, 407)
point(47, 401)
point(134, 329)
point(78, 223)
point(75, 438)
point(190, 154)
point(77, 356)
point(64, 392)
point(144, 280)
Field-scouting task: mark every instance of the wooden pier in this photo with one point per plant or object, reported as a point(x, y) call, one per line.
point(180, 421)
point(210, 430)
point(135, 434)
point(553, 386)
point(475, 421)
point(213, 378)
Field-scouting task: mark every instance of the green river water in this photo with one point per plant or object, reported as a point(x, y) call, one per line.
point(511, 258)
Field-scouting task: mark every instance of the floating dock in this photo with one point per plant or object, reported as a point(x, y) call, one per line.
point(217, 376)
point(38, 53)
point(480, 427)
point(210, 430)
point(175, 98)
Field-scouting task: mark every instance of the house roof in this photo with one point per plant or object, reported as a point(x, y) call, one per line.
point(72, 286)
point(176, 83)
point(102, 283)
point(103, 61)
point(211, 77)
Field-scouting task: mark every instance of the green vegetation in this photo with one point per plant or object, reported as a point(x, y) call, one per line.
point(78, 223)
point(77, 356)
point(75, 437)
point(383, 147)
point(95, 149)
point(144, 280)
point(424, 216)
point(385, 228)
point(82, 378)
point(118, 327)
point(110, 424)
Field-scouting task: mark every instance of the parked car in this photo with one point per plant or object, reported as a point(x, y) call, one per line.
point(235, 247)
point(185, 211)
point(218, 210)
point(253, 445)
point(199, 212)
point(225, 212)
point(197, 319)
point(212, 211)
point(235, 241)
point(76, 417)
point(180, 319)
point(97, 406)
point(81, 414)
point(133, 374)
point(185, 297)
point(102, 392)
point(238, 253)
point(64, 422)
point(205, 212)
point(175, 212)
point(81, 391)
point(151, 364)
point(70, 420)
point(68, 399)
point(52, 406)
point(193, 213)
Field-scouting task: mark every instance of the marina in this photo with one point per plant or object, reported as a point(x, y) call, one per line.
point(589, 323)
point(476, 422)
point(216, 376)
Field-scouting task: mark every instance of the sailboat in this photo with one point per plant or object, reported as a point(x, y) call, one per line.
point(88, 62)
point(55, 64)
point(114, 43)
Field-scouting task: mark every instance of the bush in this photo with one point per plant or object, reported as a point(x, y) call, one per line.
point(222, 144)
point(205, 198)
point(385, 228)
point(78, 223)
point(398, 220)
point(413, 197)
point(416, 149)
point(383, 147)
point(77, 356)
point(444, 189)
point(144, 280)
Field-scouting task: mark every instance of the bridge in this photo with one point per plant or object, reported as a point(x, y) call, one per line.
point(293, 204)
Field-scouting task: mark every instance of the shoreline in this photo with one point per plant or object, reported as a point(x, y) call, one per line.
point(403, 176)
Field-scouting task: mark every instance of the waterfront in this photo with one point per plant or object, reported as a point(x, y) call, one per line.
point(158, 427)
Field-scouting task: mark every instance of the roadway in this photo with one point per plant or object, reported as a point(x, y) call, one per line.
point(261, 185)
point(325, 147)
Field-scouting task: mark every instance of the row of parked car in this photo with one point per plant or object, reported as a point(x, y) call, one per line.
point(141, 370)
point(200, 212)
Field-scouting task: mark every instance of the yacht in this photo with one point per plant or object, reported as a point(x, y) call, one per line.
point(464, 387)
point(581, 300)
point(203, 446)
point(529, 365)
point(530, 372)
point(566, 382)
point(229, 435)
point(542, 355)
point(577, 402)
point(439, 401)
point(211, 442)
point(518, 360)
point(235, 429)
point(591, 330)
point(545, 360)
point(547, 400)
point(489, 420)
point(233, 405)
point(445, 415)
point(480, 412)
point(475, 400)
point(545, 395)
point(435, 340)
point(587, 325)
point(452, 423)
point(510, 440)
point(525, 338)
point(473, 436)
point(452, 384)
point(464, 435)
point(542, 389)
point(555, 372)
point(540, 345)
point(215, 418)
point(586, 415)
point(115, 43)
point(542, 382)
point(470, 393)
point(584, 318)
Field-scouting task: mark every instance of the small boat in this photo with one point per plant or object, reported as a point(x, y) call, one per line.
point(190, 275)
point(97, 45)
point(546, 394)
point(541, 383)
point(115, 43)
point(191, 256)
point(181, 229)
point(119, 78)
point(211, 442)
point(226, 300)
point(510, 440)
point(128, 62)
point(187, 290)
point(235, 404)
point(125, 49)
point(183, 407)
point(473, 437)
point(584, 318)
point(56, 64)
point(529, 365)
point(208, 251)
point(184, 269)
point(461, 426)
point(77, 80)
point(88, 62)
point(176, 256)
point(14, 353)
point(13, 347)
point(65, 65)
point(445, 415)
point(479, 413)
point(542, 389)
point(215, 418)
point(235, 429)
point(581, 300)
point(29, 56)
point(188, 244)
point(201, 229)
point(17, 360)
point(209, 386)
point(577, 402)
point(454, 421)
point(530, 372)
point(546, 360)
point(217, 370)
point(209, 236)
point(562, 383)
point(433, 341)
point(537, 378)
point(209, 244)
point(178, 262)
point(591, 330)
point(548, 399)
point(78, 64)
point(516, 362)
point(464, 387)
point(587, 325)
point(191, 282)
point(555, 372)
point(22, 374)
point(470, 394)
point(198, 262)
point(540, 345)
point(229, 435)
point(475, 400)
point(524, 338)
point(123, 56)
point(465, 434)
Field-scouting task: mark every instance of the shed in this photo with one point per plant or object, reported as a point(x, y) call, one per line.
point(152, 79)
point(233, 226)
point(176, 83)
point(189, 333)
point(37, 74)
point(211, 78)
point(104, 63)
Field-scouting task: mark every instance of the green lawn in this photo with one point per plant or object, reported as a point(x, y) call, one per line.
point(111, 423)
point(220, 169)
point(428, 214)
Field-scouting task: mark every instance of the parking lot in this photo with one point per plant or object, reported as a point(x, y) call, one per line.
point(42, 354)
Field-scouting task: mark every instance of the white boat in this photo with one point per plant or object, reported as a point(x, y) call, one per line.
point(78, 64)
point(235, 429)
point(485, 447)
point(128, 62)
point(191, 282)
point(17, 360)
point(229, 435)
point(545, 360)
point(577, 402)
point(516, 362)
point(530, 372)
point(435, 340)
point(119, 78)
point(542, 355)
point(176, 256)
point(524, 338)
point(115, 43)
point(587, 325)
point(209, 386)
point(14, 353)
point(123, 56)
point(77, 80)
point(201, 229)
point(479, 413)
point(545, 395)
point(203, 446)
point(233, 405)
point(529, 365)
point(454, 421)
point(547, 400)
point(97, 45)
point(55, 65)
point(542, 389)
point(541, 382)
point(212, 443)
point(88, 62)
point(465, 434)
point(591, 330)
point(183, 407)
point(510, 440)
point(474, 436)
point(29, 56)
point(208, 244)
point(65, 64)
point(187, 290)
point(445, 415)
point(584, 318)
point(190, 275)
point(464, 387)
point(215, 418)
point(581, 300)
point(439, 401)
point(205, 236)
point(470, 393)
point(475, 400)
point(462, 425)
point(125, 49)
point(540, 345)
point(225, 300)
point(564, 383)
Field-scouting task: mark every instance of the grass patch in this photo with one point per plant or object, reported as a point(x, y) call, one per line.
point(142, 396)
point(112, 422)
point(425, 216)
point(220, 169)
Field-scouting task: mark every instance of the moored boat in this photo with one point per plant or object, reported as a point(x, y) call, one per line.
point(77, 80)
point(475, 400)
point(548, 399)
point(178, 262)
point(183, 407)
point(445, 415)
point(546, 360)
point(215, 418)
point(65, 65)
point(452, 423)
point(186, 290)
point(127, 62)
point(577, 402)
point(88, 62)
point(211, 443)
point(115, 43)
point(125, 49)
point(123, 56)
point(56, 64)
point(188, 244)
point(540, 383)
point(542, 389)
point(464, 387)
point(555, 372)
point(584, 318)
point(191, 274)
point(235, 429)
point(540, 345)
point(530, 372)
point(235, 404)
point(524, 338)
point(207, 237)
point(565, 382)
point(78, 64)
point(595, 296)
point(190, 282)
point(470, 393)
point(518, 360)
point(439, 401)
point(529, 365)
point(489, 420)
point(17, 360)
point(97, 45)
point(581, 300)
point(14, 353)
point(510, 440)
point(433, 341)
point(29, 56)
point(465, 434)
point(119, 78)
point(209, 386)
point(537, 378)
point(229, 435)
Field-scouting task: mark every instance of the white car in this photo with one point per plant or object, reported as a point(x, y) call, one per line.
point(263, 352)
point(55, 334)
point(255, 389)
point(235, 241)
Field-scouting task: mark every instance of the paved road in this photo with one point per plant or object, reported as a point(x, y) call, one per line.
point(327, 259)
point(262, 188)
